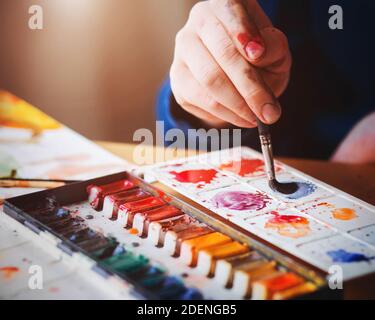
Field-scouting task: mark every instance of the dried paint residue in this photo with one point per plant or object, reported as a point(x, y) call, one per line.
point(201, 176)
point(344, 256)
point(8, 272)
point(133, 231)
point(324, 204)
point(344, 214)
point(244, 167)
point(240, 200)
point(304, 189)
point(291, 226)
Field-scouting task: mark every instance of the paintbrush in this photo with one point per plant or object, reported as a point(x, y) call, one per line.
point(266, 145)
point(32, 183)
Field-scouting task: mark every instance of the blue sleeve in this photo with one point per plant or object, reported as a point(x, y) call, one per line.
point(174, 116)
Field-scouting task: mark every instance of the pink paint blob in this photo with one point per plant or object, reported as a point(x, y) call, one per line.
point(240, 200)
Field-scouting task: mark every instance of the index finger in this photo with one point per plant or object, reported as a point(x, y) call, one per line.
point(241, 26)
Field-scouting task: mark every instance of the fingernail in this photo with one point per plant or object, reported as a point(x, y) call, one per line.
point(271, 112)
point(254, 50)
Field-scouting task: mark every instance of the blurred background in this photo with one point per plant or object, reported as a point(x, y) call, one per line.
point(97, 65)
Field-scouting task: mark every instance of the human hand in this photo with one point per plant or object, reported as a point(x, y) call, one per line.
point(230, 64)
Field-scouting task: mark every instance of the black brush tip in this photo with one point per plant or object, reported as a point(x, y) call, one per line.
point(284, 188)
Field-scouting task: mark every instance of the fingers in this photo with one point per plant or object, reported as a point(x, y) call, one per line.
point(192, 97)
point(245, 78)
point(209, 74)
point(277, 58)
point(242, 29)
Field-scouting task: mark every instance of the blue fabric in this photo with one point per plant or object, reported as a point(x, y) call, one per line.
point(332, 82)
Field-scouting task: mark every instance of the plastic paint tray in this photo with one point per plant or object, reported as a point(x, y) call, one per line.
point(76, 194)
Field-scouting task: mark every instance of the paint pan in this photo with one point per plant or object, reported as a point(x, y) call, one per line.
point(143, 220)
point(158, 229)
point(266, 288)
point(127, 211)
point(97, 193)
point(112, 202)
point(300, 290)
point(207, 257)
point(244, 278)
point(173, 239)
point(225, 267)
point(191, 247)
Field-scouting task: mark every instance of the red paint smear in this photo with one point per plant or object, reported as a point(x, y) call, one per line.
point(244, 167)
point(281, 219)
point(8, 272)
point(164, 196)
point(195, 176)
point(243, 38)
point(53, 289)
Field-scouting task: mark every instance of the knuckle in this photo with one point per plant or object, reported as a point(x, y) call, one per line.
point(228, 52)
point(212, 78)
point(252, 93)
point(282, 38)
point(220, 3)
point(242, 110)
point(197, 10)
point(213, 106)
point(180, 36)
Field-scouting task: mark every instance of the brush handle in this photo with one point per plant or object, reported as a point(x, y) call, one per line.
point(266, 145)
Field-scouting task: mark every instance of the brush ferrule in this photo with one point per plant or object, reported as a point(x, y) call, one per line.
point(266, 145)
point(265, 140)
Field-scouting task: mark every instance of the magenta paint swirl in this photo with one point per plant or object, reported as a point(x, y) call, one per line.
point(240, 200)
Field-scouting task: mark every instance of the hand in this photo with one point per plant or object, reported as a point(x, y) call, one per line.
point(230, 64)
point(359, 145)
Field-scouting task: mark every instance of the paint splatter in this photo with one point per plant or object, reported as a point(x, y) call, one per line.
point(9, 272)
point(344, 256)
point(304, 189)
point(344, 214)
point(246, 167)
point(133, 231)
point(89, 217)
point(291, 226)
point(324, 204)
point(201, 176)
point(240, 200)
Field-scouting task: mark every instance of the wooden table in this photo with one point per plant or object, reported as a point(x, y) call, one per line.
point(358, 180)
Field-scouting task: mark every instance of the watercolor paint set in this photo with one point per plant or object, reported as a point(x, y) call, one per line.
point(136, 239)
point(318, 223)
